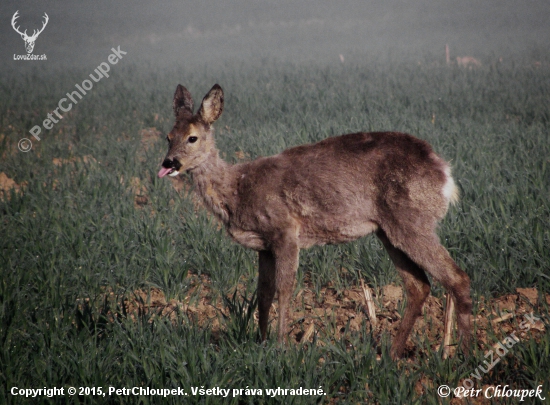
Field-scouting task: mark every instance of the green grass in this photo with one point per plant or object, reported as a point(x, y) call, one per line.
point(74, 233)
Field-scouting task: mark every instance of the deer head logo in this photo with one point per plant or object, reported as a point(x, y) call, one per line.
point(29, 40)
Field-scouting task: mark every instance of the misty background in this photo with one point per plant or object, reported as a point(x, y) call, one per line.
point(211, 33)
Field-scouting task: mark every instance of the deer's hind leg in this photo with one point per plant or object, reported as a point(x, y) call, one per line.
point(417, 287)
point(422, 246)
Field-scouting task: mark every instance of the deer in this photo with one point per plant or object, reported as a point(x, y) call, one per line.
point(468, 62)
point(29, 41)
point(334, 191)
point(462, 61)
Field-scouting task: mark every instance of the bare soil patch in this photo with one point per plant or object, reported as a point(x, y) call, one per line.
point(7, 185)
point(335, 313)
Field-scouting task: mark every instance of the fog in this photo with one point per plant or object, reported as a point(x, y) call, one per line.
point(205, 32)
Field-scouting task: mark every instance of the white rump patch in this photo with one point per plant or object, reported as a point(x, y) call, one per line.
point(450, 191)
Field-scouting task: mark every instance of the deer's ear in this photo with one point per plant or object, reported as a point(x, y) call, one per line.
point(212, 105)
point(182, 100)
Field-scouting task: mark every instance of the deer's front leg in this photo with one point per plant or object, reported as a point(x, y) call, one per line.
point(277, 273)
point(266, 288)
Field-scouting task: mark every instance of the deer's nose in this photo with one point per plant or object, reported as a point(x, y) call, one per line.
point(171, 164)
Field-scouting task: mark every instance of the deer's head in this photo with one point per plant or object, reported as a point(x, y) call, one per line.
point(191, 142)
point(29, 40)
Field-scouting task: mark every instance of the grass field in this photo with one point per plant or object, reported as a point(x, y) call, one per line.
point(113, 277)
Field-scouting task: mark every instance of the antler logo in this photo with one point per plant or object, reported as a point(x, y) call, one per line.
point(29, 40)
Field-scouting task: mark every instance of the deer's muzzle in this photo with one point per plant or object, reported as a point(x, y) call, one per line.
point(169, 167)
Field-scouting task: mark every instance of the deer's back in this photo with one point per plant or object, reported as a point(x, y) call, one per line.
point(338, 189)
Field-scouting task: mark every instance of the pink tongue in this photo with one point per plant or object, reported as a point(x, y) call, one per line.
point(164, 171)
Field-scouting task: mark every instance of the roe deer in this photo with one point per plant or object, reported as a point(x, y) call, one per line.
point(333, 191)
point(468, 62)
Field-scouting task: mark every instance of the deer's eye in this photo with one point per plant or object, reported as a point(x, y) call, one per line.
point(192, 139)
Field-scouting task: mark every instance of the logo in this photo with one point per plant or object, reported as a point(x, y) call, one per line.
point(29, 40)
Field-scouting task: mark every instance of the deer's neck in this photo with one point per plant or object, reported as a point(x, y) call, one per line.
point(214, 181)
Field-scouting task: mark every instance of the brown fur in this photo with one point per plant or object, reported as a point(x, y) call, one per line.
point(333, 191)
